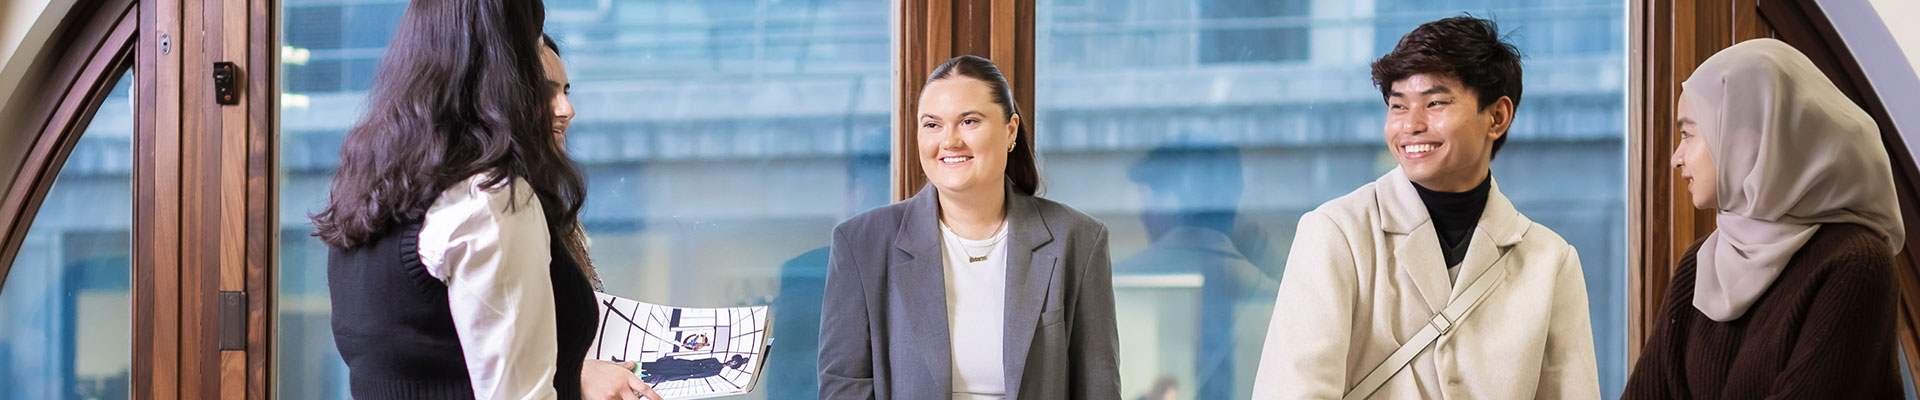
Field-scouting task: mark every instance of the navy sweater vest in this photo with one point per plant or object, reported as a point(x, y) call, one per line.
point(395, 332)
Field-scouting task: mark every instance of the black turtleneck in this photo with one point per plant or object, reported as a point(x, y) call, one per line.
point(1454, 216)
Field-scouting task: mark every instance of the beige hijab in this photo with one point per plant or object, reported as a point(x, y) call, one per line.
point(1791, 153)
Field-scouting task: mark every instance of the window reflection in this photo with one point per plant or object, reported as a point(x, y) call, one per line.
point(1201, 130)
point(66, 317)
point(721, 141)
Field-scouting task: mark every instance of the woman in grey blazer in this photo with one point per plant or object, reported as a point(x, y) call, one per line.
point(973, 288)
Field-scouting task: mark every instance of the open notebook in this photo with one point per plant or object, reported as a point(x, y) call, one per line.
point(685, 353)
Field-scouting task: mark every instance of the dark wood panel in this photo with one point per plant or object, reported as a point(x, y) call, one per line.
point(148, 363)
point(203, 187)
point(1647, 206)
point(199, 257)
point(214, 174)
point(1023, 64)
point(918, 24)
point(157, 191)
point(262, 233)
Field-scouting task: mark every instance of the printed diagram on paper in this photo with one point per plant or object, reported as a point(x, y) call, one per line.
point(685, 353)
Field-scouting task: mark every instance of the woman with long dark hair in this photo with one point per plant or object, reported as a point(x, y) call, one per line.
point(452, 215)
point(975, 288)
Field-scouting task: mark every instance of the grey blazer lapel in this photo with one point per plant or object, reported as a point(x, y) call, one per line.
point(919, 274)
point(1030, 272)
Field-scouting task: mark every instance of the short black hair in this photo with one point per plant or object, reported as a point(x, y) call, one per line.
point(1464, 47)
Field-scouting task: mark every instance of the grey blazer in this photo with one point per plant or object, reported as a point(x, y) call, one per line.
point(883, 322)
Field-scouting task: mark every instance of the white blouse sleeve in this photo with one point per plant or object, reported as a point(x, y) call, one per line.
point(495, 264)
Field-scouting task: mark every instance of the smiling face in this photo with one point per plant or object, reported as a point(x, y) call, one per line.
point(557, 82)
point(1440, 135)
point(1692, 158)
point(964, 137)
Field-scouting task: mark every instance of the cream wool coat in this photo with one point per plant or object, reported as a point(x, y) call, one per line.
point(1366, 273)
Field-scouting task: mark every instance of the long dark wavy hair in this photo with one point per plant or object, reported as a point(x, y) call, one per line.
point(1023, 166)
point(460, 92)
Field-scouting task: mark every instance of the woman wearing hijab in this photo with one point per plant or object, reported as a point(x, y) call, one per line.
point(1792, 296)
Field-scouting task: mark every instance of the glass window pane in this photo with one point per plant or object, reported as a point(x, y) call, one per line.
point(1201, 148)
point(66, 312)
point(1906, 379)
point(721, 139)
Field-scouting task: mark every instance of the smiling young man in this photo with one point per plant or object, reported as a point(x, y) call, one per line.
point(1427, 283)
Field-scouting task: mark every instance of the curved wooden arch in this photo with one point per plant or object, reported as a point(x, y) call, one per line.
point(92, 45)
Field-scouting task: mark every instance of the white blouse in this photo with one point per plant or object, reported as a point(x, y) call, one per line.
point(976, 313)
point(494, 262)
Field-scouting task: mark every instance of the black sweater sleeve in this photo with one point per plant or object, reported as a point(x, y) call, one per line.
point(1659, 373)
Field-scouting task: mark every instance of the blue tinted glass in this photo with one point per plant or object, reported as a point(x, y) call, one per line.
point(1201, 155)
point(721, 140)
point(66, 314)
point(1174, 122)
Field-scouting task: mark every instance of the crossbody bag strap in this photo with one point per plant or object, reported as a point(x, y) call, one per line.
point(1441, 324)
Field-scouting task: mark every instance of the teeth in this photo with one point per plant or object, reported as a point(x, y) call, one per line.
point(955, 159)
point(1419, 148)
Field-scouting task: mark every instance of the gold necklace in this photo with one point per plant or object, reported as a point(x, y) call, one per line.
point(963, 246)
point(970, 257)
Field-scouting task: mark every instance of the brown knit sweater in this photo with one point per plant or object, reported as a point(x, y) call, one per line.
point(1824, 330)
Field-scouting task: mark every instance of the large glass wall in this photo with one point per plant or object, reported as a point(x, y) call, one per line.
point(722, 140)
point(1200, 131)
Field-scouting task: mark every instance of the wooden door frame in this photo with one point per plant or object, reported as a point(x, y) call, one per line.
point(205, 230)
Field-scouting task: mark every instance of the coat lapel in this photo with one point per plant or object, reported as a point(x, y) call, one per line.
point(1416, 247)
point(919, 273)
point(1030, 274)
point(1418, 256)
point(1500, 228)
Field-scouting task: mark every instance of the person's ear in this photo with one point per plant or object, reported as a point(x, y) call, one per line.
point(1500, 117)
point(1013, 132)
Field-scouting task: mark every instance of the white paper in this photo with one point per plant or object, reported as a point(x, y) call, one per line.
point(685, 353)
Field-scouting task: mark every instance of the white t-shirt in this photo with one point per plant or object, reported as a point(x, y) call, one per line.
point(976, 312)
